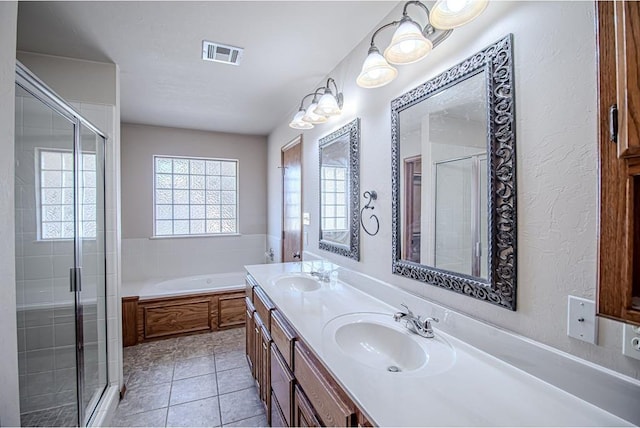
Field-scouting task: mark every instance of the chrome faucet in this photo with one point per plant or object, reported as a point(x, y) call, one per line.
point(415, 324)
point(324, 275)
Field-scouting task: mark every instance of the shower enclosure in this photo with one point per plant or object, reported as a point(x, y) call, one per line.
point(60, 258)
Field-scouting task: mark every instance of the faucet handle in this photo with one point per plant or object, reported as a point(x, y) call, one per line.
point(409, 312)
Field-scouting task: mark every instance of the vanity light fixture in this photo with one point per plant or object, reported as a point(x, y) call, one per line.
point(323, 105)
point(411, 42)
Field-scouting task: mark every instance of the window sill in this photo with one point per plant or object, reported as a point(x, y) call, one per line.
point(204, 235)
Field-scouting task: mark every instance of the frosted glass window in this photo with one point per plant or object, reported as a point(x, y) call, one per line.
point(334, 185)
point(195, 196)
point(56, 195)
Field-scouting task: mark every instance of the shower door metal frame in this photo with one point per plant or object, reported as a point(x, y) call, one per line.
point(38, 89)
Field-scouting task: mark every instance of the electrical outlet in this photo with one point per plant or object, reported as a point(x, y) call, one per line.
point(631, 341)
point(582, 323)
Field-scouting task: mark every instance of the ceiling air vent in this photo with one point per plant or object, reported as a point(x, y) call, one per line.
point(221, 53)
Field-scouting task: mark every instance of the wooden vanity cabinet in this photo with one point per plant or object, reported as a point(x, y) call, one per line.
point(618, 36)
point(293, 384)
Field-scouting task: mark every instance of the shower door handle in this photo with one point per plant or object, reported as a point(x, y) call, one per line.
point(75, 279)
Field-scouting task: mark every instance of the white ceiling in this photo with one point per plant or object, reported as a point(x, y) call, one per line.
point(289, 47)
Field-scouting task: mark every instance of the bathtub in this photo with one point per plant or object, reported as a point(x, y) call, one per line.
point(192, 285)
point(160, 309)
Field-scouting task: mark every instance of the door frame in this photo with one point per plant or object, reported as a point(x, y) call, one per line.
point(298, 139)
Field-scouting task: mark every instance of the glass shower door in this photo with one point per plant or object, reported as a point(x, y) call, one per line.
point(45, 218)
point(90, 249)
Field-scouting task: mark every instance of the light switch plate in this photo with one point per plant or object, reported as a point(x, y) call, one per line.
point(306, 219)
point(631, 341)
point(582, 323)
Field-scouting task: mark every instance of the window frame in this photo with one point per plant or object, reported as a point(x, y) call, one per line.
point(193, 235)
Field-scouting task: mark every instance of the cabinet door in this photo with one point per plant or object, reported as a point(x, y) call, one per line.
point(303, 413)
point(249, 337)
point(627, 42)
point(618, 35)
point(265, 370)
point(257, 346)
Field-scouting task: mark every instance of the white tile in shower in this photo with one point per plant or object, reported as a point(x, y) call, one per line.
point(65, 357)
point(64, 334)
point(36, 114)
point(41, 383)
point(39, 337)
point(38, 292)
point(40, 361)
point(61, 123)
point(62, 266)
point(36, 248)
point(37, 268)
point(39, 317)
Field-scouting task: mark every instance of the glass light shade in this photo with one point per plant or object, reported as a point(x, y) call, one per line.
point(327, 105)
point(311, 117)
point(408, 45)
point(448, 14)
point(298, 123)
point(376, 71)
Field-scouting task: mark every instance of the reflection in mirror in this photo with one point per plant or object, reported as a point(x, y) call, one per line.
point(443, 149)
point(453, 179)
point(339, 179)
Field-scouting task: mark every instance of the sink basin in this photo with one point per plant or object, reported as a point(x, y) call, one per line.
point(299, 282)
point(375, 340)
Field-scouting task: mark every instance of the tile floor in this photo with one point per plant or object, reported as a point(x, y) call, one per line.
point(200, 380)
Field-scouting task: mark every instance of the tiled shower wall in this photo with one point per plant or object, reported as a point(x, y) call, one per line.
point(46, 332)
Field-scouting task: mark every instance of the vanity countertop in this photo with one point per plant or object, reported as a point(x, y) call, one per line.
point(478, 389)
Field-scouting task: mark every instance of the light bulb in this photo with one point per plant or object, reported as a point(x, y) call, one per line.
point(298, 123)
point(376, 71)
point(456, 6)
point(449, 14)
point(408, 44)
point(312, 117)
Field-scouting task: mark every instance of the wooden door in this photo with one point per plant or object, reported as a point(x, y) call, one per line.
point(627, 23)
point(292, 201)
point(412, 208)
point(618, 35)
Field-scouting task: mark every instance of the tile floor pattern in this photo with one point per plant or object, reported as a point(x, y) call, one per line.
point(200, 380)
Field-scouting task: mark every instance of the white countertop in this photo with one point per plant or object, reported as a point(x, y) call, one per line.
point(478, 390)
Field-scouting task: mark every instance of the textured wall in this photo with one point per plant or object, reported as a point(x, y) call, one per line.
point(555, 78)
point(144, 258)
point(9, 404)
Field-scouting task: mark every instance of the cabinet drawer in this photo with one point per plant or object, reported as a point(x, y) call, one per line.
point(277, 416)
point(281, 383)
point(264, 306)
point(329, 404)
point(283, 336)
point(303, 415)
point(248, 290)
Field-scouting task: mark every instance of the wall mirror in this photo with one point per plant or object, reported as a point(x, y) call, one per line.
point(339, 189)
point(453, 179)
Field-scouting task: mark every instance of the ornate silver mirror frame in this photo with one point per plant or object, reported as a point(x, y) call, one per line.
point(351, 133)
point(500, 287)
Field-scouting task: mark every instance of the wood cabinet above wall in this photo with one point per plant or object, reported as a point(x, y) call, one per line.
point(618, 36)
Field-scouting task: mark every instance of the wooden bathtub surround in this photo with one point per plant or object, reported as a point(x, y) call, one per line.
point(294, 386)
point(151, 319)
